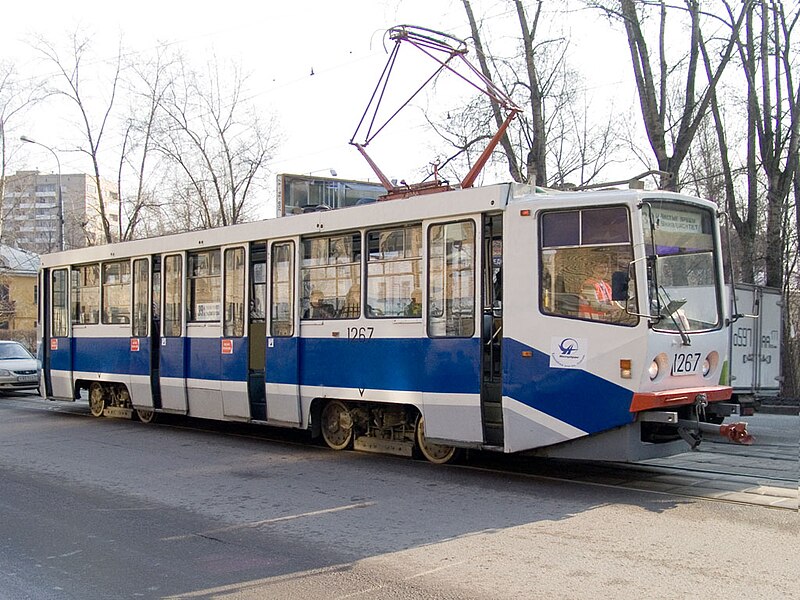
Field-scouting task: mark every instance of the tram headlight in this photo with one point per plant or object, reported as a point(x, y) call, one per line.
point(653, 370)
point(659, 367)
point(710, 363)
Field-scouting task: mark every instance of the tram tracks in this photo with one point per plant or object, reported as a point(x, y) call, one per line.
point(718, 474)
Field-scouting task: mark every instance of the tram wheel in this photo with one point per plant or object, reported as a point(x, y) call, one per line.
point(146, 415)
point(337, 425)
point(97, 399)
point(439, 454)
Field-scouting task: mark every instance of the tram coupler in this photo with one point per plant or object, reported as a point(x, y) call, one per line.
point(735, 432)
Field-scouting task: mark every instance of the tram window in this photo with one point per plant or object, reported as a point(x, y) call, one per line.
point(117, 292)
point(394, 277)
point(203, 274)
point(233, 325)
point(86, 294)
point(59, 324)
point(141, 297)
point(605, 225)
point(451, 279)
point(331, 275)
point(561, 228)
point(258, 292)
point(580, 251)
point(173, 296)
point(282, 290)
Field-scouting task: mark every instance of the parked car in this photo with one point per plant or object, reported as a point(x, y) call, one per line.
point(19, 370)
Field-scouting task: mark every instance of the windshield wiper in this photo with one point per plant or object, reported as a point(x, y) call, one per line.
point(669, 309)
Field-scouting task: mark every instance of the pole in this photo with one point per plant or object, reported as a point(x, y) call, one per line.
point(60, 199)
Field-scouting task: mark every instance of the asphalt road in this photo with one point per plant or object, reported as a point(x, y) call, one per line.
point(106, 509)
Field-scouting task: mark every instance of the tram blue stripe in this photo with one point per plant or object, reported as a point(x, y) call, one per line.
point(442, 366)
point(429, 365)
point(573, 396)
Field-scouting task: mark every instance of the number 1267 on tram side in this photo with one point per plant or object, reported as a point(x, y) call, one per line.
point(574, 324)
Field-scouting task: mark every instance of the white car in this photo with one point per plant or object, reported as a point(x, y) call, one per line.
point(19, 370)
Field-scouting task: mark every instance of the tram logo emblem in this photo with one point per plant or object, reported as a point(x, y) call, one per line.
point(567, 352)
point(568, 346)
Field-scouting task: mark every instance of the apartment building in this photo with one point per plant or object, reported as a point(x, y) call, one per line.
point(30, 215)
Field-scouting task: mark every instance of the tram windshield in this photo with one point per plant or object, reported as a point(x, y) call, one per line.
point(683, 283)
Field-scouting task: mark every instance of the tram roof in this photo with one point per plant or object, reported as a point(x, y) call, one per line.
point(441, 205)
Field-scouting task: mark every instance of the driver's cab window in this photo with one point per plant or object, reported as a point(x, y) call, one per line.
point(584, 258)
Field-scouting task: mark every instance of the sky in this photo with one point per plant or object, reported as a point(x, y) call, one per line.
point(281, 44)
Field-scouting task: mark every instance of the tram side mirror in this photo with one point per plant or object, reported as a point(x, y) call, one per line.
point(619, 286)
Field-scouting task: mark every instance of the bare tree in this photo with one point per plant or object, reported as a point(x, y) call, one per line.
point(774, 117)
point(71, 85)
point(579, 145)
point(151, 79)
point(217, 141)
point(526, 160)
point(16, 97)
point(742, 215)
point(671, 128)
point(483, 60)
point(772, 127)
point(553, 139)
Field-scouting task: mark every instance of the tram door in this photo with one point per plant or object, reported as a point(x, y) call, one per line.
point(172, 351)
point(44, 341)
point(142, 337)
point(283, 343)
point(257, 332)
point(58, 353)
point(155, 332)
point(492, 334)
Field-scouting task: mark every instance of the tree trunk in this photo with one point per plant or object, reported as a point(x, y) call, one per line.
point(505, 142)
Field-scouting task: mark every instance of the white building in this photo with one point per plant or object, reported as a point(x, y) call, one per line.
point(29, 215)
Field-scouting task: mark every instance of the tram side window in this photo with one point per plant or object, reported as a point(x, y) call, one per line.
point(394, 272)
point(579, 252)
point(173, 296)
point(233, 325)
point(86, 294)
point(59, 324)
point(282, 290)
point(258, 292)
point(331, 276)
point(451, 279)
point(141, 295)
point(117, 292)
point(204, 274)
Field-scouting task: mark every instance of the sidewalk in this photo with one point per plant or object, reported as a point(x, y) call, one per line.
point(779, 406)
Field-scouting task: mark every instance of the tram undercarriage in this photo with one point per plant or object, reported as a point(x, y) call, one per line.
point(369, 427)
point(373, 427)
point(114, 400)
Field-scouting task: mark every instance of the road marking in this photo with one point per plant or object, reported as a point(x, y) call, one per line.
point(268, 521)
point(429, 571)
point(134, 509)
point(408, 578)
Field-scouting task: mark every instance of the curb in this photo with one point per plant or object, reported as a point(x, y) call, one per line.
point(777, 409)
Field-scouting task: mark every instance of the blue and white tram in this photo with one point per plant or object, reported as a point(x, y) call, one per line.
point(580, 324)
